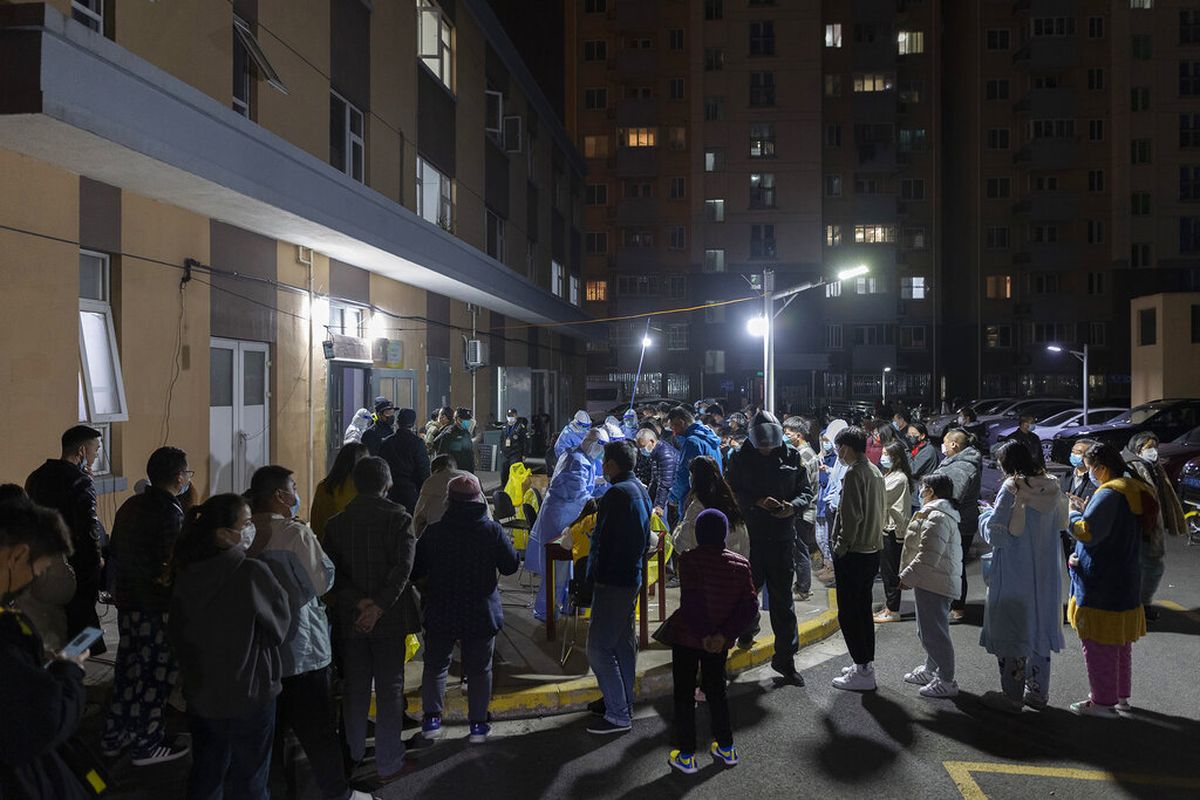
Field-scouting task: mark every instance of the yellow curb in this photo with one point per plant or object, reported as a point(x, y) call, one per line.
point(574, 695)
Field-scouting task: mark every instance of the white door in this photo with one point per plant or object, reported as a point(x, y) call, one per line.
point(238, 414)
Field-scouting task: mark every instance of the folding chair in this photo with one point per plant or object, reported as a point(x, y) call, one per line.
point(579, 596)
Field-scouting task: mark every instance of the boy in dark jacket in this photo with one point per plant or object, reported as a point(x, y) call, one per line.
point(716, 603)
point(65, 485)
point(770, 481)
point(372, 547)
point(457, 560)
point(42, 705)
point(144, 533)
point(619, 543)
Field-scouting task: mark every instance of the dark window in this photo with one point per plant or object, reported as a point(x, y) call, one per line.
point(675, 39)
point(1195, 324)
point(1189, 78)
point(833, 135)
point(714, 59)
point(997, 40)
point(762, 38)
point(1189, 130)
point(714, 9)
point(1189, 26)
point(1147, 327)
point(1189, 182)
point(996, 89)
point(762, 241)
point(1189, 234)
point(762, 89)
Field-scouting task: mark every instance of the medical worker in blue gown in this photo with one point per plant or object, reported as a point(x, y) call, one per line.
point(572, 435)
point(571, 486)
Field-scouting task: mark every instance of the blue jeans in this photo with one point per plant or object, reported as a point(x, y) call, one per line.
point(231, 758)
point(612, 648)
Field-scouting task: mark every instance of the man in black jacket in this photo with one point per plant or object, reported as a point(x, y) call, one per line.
point(42, 705)
point(1025, 435)
point(513, 444)
point(771, 484)
point(407, 459)
point(385, 414)
point(65, 484)
point(456, 441)
point(372, 547)
point(144, 534)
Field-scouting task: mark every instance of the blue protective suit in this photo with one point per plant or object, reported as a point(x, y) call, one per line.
point(571, 437)
point(569, 489)
point(629, 424)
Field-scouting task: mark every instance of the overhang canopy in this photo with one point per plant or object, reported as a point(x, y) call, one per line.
point(74, 99)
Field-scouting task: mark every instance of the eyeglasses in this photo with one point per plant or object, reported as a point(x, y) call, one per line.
point(189, 473)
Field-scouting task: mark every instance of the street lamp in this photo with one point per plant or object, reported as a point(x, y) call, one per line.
point(883, 383)
point(764, 325)
point(1082, 355)
point(646, 342)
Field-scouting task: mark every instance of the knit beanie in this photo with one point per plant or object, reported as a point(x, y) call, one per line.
point(711, 527)
point(464, 489)
point(765, 430)
point(406, 417)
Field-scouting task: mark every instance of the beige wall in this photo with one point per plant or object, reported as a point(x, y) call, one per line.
point(287, 29)
point(150, 313)
point(1167, 368)
point(399, 298)
point(39, 312)
point(191, 39)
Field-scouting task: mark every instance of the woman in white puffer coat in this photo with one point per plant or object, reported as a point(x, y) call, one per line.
point(931, 565)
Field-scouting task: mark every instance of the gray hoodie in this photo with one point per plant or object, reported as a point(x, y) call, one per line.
point(965, 469)
point(229, 616)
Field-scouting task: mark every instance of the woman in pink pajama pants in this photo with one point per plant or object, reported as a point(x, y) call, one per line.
point(1105, 606)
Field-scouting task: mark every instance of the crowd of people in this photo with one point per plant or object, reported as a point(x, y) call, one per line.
point(257, 616)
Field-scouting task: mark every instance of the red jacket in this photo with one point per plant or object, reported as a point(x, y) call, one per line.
point(716, 595)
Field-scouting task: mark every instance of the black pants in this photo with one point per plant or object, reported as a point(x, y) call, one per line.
point(81, 612)
point(771, 564)
point(306, 706)
point(855, 576)
point(889, 567)
point(966, 539)
point(684, 663)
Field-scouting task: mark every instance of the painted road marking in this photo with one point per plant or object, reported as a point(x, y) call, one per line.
point(960, 773)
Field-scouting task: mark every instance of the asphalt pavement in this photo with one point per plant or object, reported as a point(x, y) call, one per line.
point(815, 741)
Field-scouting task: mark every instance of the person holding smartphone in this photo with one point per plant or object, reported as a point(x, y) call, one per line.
point(43, 704)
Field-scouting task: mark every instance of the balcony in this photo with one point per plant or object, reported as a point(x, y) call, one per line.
point(876, 156)
point(1047, 153)
point(638, 211)
point(637, 63)
point(636, 162)
point(636, 258)
point(638, 112)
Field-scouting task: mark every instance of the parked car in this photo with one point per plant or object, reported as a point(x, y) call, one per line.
point(937, 425)
point(1039, 407)
point(1051, 426)
point(1179, 451)
point(1189, 495)
point(619, 410)
point(1166, 418)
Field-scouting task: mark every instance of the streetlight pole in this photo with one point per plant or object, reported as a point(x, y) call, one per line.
point(883, 383)
point(641, 360)
point(768, 340)
point(1082, 356)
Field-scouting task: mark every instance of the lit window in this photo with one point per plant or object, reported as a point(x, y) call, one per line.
point(912, 288)
point(435, 196)
point(557, 279)
point(714, 160)
point(874, 234)
point(596, 291)
point(714, 210)
point(910, 42)
point(762, 139)
point(872, 82)
point(100, 361)
point(999, 287)
point(762, 190)
point(833, 35)
point(714, 260)
point(833, 235)
point(435, 42)
point(595, 146)
point(639, 137)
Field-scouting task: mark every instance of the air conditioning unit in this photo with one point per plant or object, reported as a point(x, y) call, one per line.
point(477, 353)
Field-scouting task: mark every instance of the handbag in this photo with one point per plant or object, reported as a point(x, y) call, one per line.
point(668, 631)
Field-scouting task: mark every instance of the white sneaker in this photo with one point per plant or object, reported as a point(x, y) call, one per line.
point(939, 688)
point(858, 679)
point(849, 669)
point(920, 676)
point(357, 795)
point(1123, 704)
point(1086, 708)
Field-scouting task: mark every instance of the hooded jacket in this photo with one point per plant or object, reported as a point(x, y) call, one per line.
point(457, 560)
point(932, 555)
point(923, 458)
point(408, 461)
point(862, 513)
point(1169, 519)
point(698, 440)
point(229, 617)
point(69, 490)
point(295, 556)
point(780, 474)
point(42, 710)
point(965, 471)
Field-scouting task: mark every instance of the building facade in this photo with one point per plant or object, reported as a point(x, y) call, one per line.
point(331, 199)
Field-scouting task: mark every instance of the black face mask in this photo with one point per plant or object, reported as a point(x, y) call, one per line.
point(10, 597)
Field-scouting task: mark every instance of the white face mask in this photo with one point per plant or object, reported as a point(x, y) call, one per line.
point(511, 420)
point(248, 534)
point(885, 462)
point(1150, 454)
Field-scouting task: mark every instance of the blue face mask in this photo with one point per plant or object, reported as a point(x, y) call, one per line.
point(466, 424)
point(296, 506)
point(1076, 460)
point(885, 462)
point(827, 446)
point(1092, 478)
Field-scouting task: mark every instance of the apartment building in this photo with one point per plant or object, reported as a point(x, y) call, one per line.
point(331, 199)
point(700, 126)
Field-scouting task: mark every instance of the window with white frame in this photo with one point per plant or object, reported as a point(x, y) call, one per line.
point(346, 320)
point(714, 362)
point(912, 287)
point(714, 210)
point(714, 260)
point(495, 234)
point(493, 113)
point(435, 196)
point(910, 43)
point(435, 42)
point(868, 284)
point(557, 279)
point(249, 58)
point(874, 234)
point(574, 293)
point(101, 382)
point(833, 335)
point(833, 35)
point(90, 13)
point(912, 337)
point(833, 235)
point(677, 337)
point(833, 289)
point(347, 152)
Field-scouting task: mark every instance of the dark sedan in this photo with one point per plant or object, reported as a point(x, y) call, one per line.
point(1175, 453)
point(1166, 418)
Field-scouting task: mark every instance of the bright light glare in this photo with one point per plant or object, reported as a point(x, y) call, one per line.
point(377, 328)
point(756, 326)
point(646, 341)
point(853, 272)
point(1053, 348)
point(319, 313)
point(887, 369)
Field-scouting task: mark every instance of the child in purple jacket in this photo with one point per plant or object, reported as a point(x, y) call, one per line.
point(717, 602)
